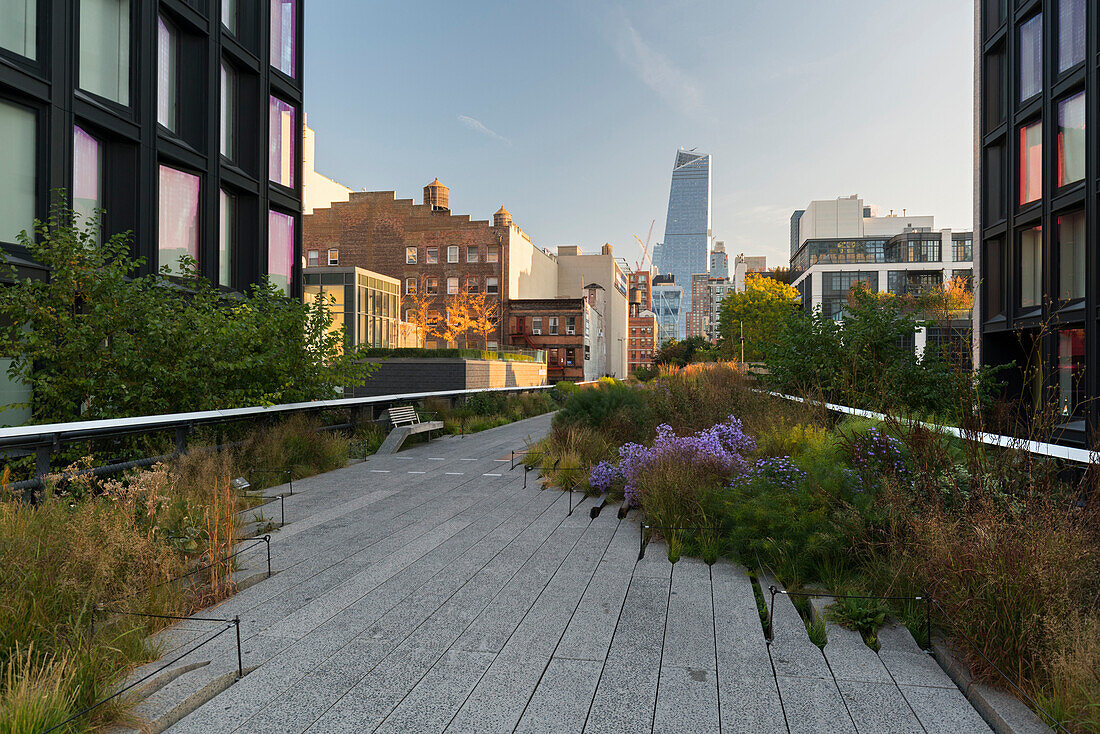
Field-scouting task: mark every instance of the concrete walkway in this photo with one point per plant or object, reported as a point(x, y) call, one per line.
point(428, 592)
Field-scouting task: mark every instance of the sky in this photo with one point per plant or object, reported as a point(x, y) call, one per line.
point(570, 112)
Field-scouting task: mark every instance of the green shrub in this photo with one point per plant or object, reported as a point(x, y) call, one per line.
point(862, 615)
point(620, 411)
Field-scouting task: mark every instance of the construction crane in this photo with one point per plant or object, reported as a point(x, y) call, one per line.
point(644, 246)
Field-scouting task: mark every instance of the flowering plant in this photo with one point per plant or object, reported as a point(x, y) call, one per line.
point(720, 448)
point(876, 455)
point(779, 471)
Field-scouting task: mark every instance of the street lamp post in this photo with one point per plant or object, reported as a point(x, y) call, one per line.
point(741, 324)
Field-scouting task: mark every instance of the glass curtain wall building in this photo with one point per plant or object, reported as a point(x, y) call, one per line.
point(686, 248)
point(179, 118)
point(1037, 182)
point(668, 305)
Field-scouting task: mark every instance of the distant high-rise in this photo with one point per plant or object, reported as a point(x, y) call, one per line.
point(687, 243)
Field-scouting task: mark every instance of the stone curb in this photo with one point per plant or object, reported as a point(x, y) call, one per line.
point(1004, 713)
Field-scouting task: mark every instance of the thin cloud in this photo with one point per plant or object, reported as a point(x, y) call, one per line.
point(479, 127)
point(654, 69)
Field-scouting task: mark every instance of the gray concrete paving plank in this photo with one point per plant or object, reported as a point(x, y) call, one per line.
point(687, 699)
point(742, 649)
point(561, 701)
point(813, 705)
point(878, 708)
point(434, 700)
point(750, 705)
point(944, 710)
point(588, 635)
point(689, 633)
point(626, 696)
point(792, 653)
point(850, 659)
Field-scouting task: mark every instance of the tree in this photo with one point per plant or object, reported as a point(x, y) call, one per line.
point(457, 321)
point(419, 314)
point(681, 353)
point(484, 312)
point(760, 310)
point(96, 340)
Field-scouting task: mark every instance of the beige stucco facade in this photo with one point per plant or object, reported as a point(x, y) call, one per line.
point(575, 272)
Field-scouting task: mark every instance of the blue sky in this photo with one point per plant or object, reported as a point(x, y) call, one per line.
point(570, 112)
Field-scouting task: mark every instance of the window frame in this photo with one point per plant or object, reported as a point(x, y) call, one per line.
point(431, 286)
point(492, 285)
point(410, 256)
point(431, 255)
point(411, 286)
point(333, 256)
point(474, 250)
point(452, 250)
point(452, 285)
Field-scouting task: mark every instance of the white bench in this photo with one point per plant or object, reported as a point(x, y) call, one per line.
point(406, 421)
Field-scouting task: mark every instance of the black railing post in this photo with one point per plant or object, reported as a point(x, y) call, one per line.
point(240, 665)
point(267, 541)
point(282, 512)
point(641, 540)
point(181, 438)
point(771, 614)
point(290, 479)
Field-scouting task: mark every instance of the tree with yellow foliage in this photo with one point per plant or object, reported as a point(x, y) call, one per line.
point(756, 312)
point(484, 313)
point(419, 314)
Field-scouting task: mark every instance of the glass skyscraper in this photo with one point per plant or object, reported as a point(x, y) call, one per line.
point(687, 244)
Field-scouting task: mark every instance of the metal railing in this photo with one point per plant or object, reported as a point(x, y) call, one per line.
point(48, 438)
point(1051, 450)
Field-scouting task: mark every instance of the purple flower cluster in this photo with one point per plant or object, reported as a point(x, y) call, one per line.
point(779, 471)
point(721, 447)
point(875, 454)
point(603, 476)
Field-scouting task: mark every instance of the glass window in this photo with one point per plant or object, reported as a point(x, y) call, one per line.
point(1071, 371)
point(1031, 162)
point(993, 280)
point(431, 286)
point(994, 14)
point(19, 26)
point(313, 258)
point(1071, 33)
point(227, 237)
point(283, 27)
point(536, 325)
point(280, 249)
point(105, 49)
point(432, 255)
point(1031, 267)
point(994, 186)
point(17, 173)
point(87, 175)
point(280, 160)
point(471, 254)
point(452, 286)
point(452, 253)
point(229, 112)
point(410, 286)
point(333, 257)
point(492, 254)
point(229, 15)
point(1031, 57)
point(491, 285)
point(964, 250)
point(994, 86)
point(1071, 139)
point(167, 74)
point(1071, 256)
point(179, 219)
point(553, 325)
point(472, 285)
point(410, 255)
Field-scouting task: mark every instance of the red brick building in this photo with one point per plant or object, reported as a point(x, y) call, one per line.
point(555, 325)
point(643, 340)
point(426, 247)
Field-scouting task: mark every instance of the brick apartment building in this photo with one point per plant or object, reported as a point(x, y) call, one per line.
point(424, 246)
point(643, 340)
point(555, 325)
